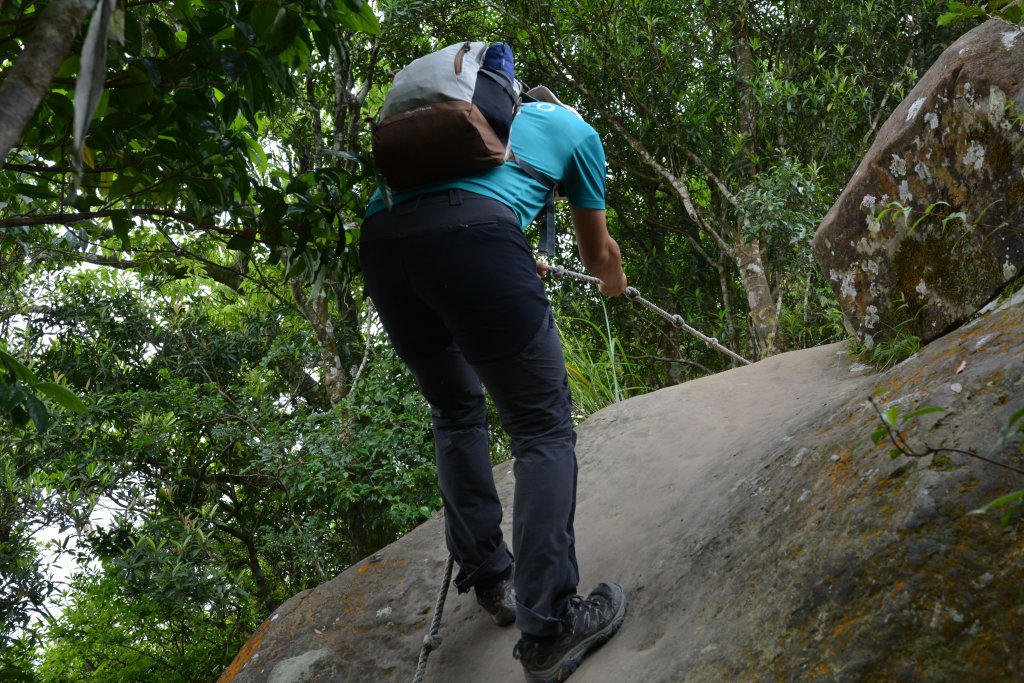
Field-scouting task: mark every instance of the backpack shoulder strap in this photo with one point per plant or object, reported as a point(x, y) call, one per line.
point(546, 246)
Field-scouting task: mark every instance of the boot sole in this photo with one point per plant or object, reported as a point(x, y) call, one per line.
point(574, 657)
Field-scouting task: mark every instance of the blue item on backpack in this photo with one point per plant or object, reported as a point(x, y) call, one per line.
point(499, 58)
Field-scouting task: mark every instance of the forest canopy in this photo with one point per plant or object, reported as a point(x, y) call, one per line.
point(199, 413)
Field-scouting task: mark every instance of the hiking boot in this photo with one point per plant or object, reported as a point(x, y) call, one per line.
point(500, 601)
point(587, 624)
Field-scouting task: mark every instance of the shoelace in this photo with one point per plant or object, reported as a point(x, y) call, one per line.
point(583, 612)
point(579, 612)
point(572, 612)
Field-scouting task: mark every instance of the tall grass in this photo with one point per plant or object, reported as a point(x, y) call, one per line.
point(596, 375)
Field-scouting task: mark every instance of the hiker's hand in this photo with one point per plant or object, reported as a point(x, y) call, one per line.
point(542, 269)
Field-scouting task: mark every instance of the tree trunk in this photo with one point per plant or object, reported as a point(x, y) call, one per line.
point(745, 102)
point(764, 317)
point(29, 79)
point(316, 311)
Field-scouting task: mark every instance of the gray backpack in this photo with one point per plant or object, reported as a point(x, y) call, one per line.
point(447, 115)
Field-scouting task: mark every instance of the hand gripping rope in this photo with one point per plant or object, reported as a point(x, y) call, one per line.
point(634, 295)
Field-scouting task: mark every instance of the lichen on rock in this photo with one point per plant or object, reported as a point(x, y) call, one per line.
point(954, 234)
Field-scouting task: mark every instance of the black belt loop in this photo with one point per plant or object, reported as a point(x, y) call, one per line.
point(454, 197)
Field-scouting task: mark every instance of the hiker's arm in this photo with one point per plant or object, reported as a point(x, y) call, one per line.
point(598, 250)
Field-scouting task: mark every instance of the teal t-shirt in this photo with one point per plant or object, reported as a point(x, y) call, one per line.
point(551, 139)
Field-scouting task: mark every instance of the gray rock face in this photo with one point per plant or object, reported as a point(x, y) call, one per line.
point(311, 666)
point(758, 531)
point(931, 225)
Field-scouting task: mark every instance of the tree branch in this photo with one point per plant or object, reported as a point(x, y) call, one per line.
point(29, 79)
point(71, 219)
point(225, 276)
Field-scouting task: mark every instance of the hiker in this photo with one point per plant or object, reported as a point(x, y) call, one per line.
point(456, 287)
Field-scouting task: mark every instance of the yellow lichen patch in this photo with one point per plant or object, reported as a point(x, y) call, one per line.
point(842, 627)
point(823, 670)
point(353, 601)
point(242, 658)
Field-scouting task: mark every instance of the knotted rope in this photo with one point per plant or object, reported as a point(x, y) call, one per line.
point(634, 295)
point(432, 641)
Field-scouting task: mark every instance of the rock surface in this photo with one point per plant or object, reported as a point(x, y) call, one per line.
point(931, 225)
point(759, 533)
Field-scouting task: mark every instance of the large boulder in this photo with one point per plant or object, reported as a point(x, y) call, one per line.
point(759, 532)
point(930, 226)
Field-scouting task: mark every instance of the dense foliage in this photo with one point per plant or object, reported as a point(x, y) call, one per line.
point(199, 416)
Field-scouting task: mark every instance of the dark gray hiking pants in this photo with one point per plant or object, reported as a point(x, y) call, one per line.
point(455, 285)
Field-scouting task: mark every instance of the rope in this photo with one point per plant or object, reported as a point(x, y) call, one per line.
point(633, 294)
point(432, 641)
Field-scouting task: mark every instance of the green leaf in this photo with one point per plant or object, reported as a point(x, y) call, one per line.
point(878, 435)
point(38, 412)
point(262, 17)
point(11, 396)
point(229, 107)
point(891, 416)
point(245, 31)
point(959, 215)
point(1012, 14)
point(895, 453)
point(15, 366)
point(326, 37)
point(18, 416)
point(285, 29)
point(256, 154)
point(363, 20)
point(29, 190)
point(1000, 502)
point(240, 243)
point(122, 224)
point(235, 64)
point(1017, 417)
point(62, 396)
point(959, 10)
point(922, 411)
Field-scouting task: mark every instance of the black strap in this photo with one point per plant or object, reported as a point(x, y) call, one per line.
point(546, 217)
point(500, 78)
